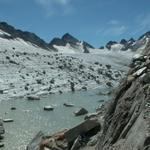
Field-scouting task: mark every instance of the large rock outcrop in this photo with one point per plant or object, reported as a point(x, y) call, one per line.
point(127, 121)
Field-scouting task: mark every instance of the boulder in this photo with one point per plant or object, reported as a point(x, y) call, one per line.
point(81, 129)
point(72, 86)
point(13, 108)
point(1, 145)
point(109, 84)
point(1, 91)
point(68, 105)
point(8, 120)
point(48, 108)
point(81, 111)
point(84, 88)
point(1, 137)
point(33, 97)
point(101, 101)
point(138, 57)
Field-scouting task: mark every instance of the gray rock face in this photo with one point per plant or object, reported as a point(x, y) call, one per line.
point(81, 111)
point(76, 145)
point(127, 121)
point(58, 41)
point(80, 129)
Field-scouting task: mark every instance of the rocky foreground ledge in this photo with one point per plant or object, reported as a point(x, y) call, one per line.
point(73, 138)
point(127, 121)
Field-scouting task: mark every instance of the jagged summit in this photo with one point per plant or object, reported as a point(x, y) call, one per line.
point(147, 35)
point(131, 44)
point(132, 40)
point(69, 38)
point(123, 41)
point(110, 43)
point(68, 42)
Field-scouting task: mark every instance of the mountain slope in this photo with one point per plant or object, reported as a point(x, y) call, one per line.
point(9, 32)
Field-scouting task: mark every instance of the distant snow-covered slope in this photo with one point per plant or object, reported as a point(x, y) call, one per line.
point(131, 44)
point(19, 45)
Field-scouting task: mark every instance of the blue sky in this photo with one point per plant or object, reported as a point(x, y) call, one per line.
point(95, 21)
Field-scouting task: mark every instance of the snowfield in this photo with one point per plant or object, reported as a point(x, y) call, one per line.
point(27, 69)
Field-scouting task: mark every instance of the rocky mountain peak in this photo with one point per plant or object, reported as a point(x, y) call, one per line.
point(131, 40)
point(110, 43)
point(123, 41)
point(147, 35)
point(69, 38)
point(127, 44)
point(72, 41)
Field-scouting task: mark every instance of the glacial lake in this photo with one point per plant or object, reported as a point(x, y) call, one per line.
point(30, 118)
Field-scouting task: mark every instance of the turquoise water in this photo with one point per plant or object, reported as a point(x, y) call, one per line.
point(30, 118)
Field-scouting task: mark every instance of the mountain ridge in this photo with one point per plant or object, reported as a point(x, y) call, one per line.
point(68, 41)
point(25, 35)
point(13, 33)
